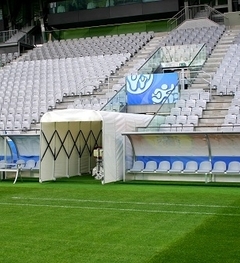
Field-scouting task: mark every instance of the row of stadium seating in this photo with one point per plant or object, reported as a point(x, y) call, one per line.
point(7, 58)
point(28, 89)
point(39, 84)
point(208, 35)
point(226, 80)
point(204, 167)
point(72, 48)
point(179, 123)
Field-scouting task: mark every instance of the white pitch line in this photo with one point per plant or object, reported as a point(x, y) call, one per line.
point(119, 209)
point(122, 202)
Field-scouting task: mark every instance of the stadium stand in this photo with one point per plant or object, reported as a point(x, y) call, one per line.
point(81, 69)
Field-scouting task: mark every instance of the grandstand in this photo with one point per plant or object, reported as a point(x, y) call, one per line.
point(93, 73)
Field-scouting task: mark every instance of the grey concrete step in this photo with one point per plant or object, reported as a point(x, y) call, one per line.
point(213, 113)
point(213, 121)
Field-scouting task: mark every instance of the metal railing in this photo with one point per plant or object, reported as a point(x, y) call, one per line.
point(197, 11)
point(6, 35)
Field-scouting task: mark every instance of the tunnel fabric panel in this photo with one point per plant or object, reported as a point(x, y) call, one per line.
point(72, 143)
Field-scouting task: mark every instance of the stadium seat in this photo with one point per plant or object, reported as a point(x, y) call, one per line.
point(233, 168)
point(165, 127)
point(191, 167)
point(30, 164)
point(170, 120)
point(230, 119)
point(186, 111)
point(192, 119)
point(177, 167)
point(190, 103)
point(205, 167)
point(138, 166)
point(176, 111)
point(219, 167)
point(181, 103)
point(201, 103)
point(197, 111)
point(163, 167)
point(151, 166)
point(21, 163)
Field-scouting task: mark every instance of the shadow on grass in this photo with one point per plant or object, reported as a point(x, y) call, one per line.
point(83, 179)
point(174, 183)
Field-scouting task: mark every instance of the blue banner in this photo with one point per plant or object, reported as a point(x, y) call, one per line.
point(152, 88)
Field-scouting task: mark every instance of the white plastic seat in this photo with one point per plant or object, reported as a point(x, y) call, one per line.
point(191, 167)
point(138, 166)
point(163, 167)
point(219, 167)
point(205, 167)
point(201, 103)
point(233, 167)
point(175, 111)
point(194, 96)
point(170, 120)
point(204, 96)
point(186, 111)
point(233, 110)
point(180, 121)
point(190, 103)
point(230, 119)
point(151, 166)
point(197, 111)
point(181, 103)
point(177, 167)
point(165, 127)
point(21, 163)
point(30, 164)
point(192, 119)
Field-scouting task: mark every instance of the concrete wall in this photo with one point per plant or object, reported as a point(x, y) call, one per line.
point(232, 18)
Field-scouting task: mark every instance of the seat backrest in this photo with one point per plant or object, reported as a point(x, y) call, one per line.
point(30, 164)
point(176, 111)
point(201, 103)
point(164, 165)
point(181, 103)
point(192, 119)
point(186, 111)
point(181, 120)
point(21, 163)
point(151, 165)
point(220, 166)
point(178, 165)
point(234, 166)
point(138, 165)
point(190, 103)
point(205, 165)
point(170, 120)
point(191, 165)
point(197, 111)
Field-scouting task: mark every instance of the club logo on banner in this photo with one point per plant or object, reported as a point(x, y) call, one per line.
point(152, 88)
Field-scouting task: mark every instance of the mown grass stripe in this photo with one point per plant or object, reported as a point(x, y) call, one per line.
point(126, 202)
point(120, 209)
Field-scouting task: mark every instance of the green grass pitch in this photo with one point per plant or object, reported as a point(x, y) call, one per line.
point(78, 220)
